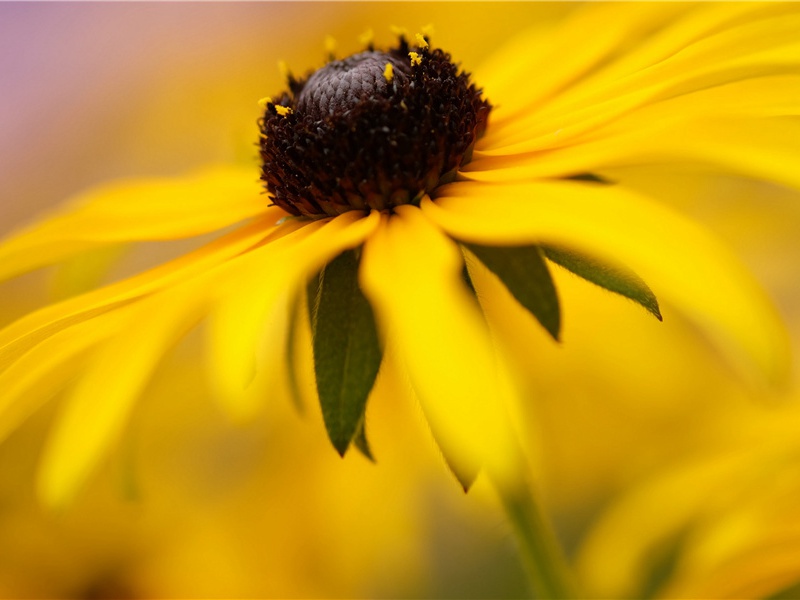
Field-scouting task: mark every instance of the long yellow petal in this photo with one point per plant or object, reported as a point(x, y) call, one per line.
point(20, 336)
point(47, 368)
point(411, 274)
point(764, 47)
point(248, 325)
point(758, 148)
point(537, 67)
point(765, 96)
point(682, 263)
point(140, 209)
point(95, 412)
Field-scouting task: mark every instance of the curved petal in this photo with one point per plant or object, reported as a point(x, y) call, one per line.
point(615, 556)
point(95, 411)
point(48, 367)
point(250, 316)
point(411, 274)
point(763, 96)
point(18, 337)
point(554, 61)
point(139, 209)
point(678, 259)
point(764, 149)
point(764, 47)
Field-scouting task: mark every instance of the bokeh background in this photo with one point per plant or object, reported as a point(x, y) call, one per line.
point(665, 471)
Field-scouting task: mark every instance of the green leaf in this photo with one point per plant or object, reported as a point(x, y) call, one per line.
point(468, 281)
point(523, 271)
point(361, 443)
point(347, 353)
point(614, 278)
point(589, 178)
point(312, 299)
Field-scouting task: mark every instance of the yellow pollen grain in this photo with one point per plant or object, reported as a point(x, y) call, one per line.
point(421, 42)
point(330, 45)
point(283, 68)
point(415, 58)
point(264, 101)
point(398, 31)
point(366, 37)
point(388, 72)
point(283, 110)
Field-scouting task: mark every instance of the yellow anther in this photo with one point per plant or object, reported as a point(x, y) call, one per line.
point(366, 38)
point(283, 110)
point(398, 31)
point(421, 41)
point(264, 101)
point(388, 72)
point(330, 45)
point(283, 68)
point(415, 58)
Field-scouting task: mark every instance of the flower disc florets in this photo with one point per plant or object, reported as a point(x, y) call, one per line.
point(372, 131)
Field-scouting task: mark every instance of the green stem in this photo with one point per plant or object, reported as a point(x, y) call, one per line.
point(541, 552)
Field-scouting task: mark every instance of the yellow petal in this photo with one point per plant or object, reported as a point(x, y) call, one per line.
point(681, 262)
point(534, 69)
point(47, 368)
point(20, 336)
point(765, 47)
point(411, 274)
point(759, 148)
point(84, 272)
point(616, 555)
point(248, 325)
point(140, 209)
point(95, 412)
point(768, 96)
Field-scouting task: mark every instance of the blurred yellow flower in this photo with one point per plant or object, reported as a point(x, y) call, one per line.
point(720, 523)
point(714, 85)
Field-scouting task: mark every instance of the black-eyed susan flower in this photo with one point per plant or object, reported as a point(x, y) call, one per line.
point(391, 176)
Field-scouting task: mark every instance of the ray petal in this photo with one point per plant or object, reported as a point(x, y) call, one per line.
point(25, 333)
point(681, 262)
point(763, 96)
point(95, 411)
point(553, 62)
point(47, 368)
point(411, 274)
point(764, 149)
point(763, 47)
point(248, 325)
point(139, 209)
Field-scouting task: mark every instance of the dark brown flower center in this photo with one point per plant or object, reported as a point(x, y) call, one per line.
point(341, 85)
point(371, 131)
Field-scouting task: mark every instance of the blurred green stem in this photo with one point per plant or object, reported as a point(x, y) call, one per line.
point(543, 557)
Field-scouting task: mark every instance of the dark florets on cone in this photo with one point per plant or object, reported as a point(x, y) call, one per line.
point(360, 136)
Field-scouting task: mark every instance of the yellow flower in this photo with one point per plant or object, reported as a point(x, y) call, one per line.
point(720, 523)
point(613, 85)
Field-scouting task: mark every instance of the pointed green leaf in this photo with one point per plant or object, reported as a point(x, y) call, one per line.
point(614, 278)
point(312, 299)
point(524, 272)
point(589, 178)
point(346, 350)
point(361, 443)
point(468, 281)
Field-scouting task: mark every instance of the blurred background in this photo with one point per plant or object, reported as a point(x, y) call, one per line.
point(666, 474)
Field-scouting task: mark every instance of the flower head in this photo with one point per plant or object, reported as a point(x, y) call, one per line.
point(382, 188)
point(372, 131)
